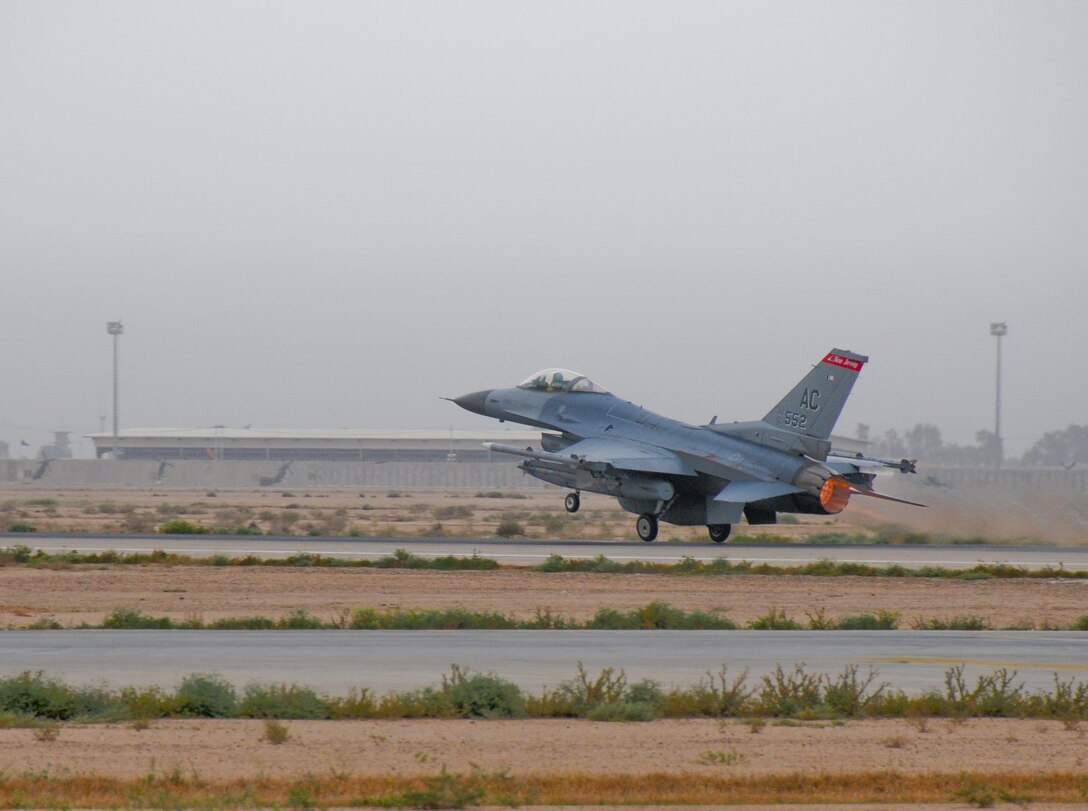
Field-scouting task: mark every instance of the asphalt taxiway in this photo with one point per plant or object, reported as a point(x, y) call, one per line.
point(334, 661)
point(527, 553)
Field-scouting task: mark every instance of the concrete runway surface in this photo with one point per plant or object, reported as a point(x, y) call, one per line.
point(334, 661)
point(528, 553)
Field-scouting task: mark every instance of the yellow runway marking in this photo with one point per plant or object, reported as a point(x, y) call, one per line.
point(939, 660)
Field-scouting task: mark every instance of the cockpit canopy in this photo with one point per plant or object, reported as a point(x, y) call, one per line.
point(556, 380)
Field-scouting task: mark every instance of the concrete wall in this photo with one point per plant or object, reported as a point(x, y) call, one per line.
point(1049, 479)
point(239, 474)
point(442, 475)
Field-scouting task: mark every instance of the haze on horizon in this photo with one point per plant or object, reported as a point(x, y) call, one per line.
point(329, 214)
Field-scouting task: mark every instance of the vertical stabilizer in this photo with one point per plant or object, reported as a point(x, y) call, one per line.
point(814, 405)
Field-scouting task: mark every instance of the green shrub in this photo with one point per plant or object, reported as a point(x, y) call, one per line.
point(451, 511)
point(648, 694)
point(49, 731)
point(206, 695)
point(20, 553)
point(579, 696)
point(775, 620)
point(993, 694)
point(257, 623)
point(883, 620)
point(32, 693)
point(552, 523)
point(508, 528)
point(146, 702)
point(242, 529)
point(179, 526)
point(624, 711)
point(612, 619)
point(282, 701)
point(300, 619)
point(358, 703)
point(977, 576)
point(275, 732)
point(445, 790)
point(481, 695)
point(22, 526)
point(968, 623)
point(1068, 699)
point(132, 618)
point(659, 615)
point(44, 624)
point(786, 695)
point(429, 619)
point(552, 563)
point(850, 695)
point(454, 563)
point(716, 696)
point(12, 720)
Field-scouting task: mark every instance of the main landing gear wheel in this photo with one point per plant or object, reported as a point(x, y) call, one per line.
point(646, 526)
point(572, 502)
point(719, 532)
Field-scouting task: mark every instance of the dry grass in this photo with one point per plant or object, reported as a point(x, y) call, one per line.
point(177, 790)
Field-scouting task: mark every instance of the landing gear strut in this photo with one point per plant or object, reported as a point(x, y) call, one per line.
point(646, 526)
point(572, 502)
point(719, 532)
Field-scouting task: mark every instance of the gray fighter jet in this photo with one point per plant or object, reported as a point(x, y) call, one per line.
point(665, 470)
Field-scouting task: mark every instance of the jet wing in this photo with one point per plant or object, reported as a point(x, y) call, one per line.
point(624, 454)
point(621, 454)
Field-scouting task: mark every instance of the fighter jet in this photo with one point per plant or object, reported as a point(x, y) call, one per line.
point(665, 470)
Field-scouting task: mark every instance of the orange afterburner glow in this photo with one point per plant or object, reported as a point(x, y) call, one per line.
point(834, 495)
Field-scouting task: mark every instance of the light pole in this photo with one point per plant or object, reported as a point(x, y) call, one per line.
point(115, 328)
point(998, 329)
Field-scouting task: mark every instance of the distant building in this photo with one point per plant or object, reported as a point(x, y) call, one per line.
point(60, 449)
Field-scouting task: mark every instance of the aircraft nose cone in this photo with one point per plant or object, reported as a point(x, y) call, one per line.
point(474, 402)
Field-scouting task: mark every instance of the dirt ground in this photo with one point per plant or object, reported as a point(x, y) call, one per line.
point(997, 515)
point(339, 511)
point(214, 750)
point(237, 748)
point(87, 593)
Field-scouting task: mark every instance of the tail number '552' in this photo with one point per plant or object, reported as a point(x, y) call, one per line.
point(793, 419)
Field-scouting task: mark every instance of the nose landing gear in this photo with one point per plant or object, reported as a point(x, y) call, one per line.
point(572, 502)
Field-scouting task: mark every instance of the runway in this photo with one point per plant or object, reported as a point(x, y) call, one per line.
point(334, 661)
point(528, 553)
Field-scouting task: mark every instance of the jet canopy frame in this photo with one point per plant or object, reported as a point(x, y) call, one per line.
point(558, 380)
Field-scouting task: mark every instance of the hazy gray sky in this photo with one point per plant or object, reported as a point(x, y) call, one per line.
point(329, 214)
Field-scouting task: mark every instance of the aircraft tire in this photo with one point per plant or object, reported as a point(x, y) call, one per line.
point(719, 532)
point(646, 527)
point(572, 502)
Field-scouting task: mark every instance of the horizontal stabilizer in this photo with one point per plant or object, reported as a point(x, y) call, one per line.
point(748, 491)
point(873, 494)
